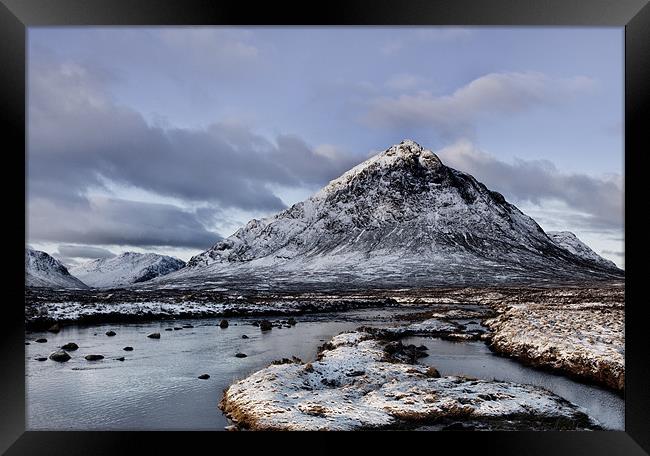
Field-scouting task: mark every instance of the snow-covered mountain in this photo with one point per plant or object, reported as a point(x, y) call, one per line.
point(400, 218)
point(569, 241)
point(42, 270)
point(125, 269)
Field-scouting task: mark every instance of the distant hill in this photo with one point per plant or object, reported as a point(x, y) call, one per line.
point(126, 269)
point(42, 270)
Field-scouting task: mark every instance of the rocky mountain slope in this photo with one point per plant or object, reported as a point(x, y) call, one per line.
point(569, 241)
point(401, 218)
point(42, 270)
point(125, 269)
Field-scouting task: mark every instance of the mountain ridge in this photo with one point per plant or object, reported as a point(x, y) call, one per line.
point(401, 213)
point(569, 241)
point(44, 271)
point(125, 269)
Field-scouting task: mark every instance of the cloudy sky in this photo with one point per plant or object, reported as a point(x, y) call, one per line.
point(167, 139)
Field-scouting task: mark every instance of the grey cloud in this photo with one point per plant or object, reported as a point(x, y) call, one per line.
point(78, 138)
point(107, 221)
point(491, 94)
point(81, 142)
point(312, 165)
point(594, 202)
point(84, 251)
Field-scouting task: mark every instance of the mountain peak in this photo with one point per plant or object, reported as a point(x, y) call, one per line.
point(401, 216)
point(409, 149)
point(406, 156)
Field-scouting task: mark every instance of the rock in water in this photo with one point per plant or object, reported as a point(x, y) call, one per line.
point(70, 346)
point(223, 323)
point(42, 358)
point(128, 349)
point(110, 333)
point(204, 376)
point(94, 357)
point(60, 356)
point(42, 340)
point(244, 336)
point(154, 336)
point(55, 328)
point(241, 355)
point(265, 325)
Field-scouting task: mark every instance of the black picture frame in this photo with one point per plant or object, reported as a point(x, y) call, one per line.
point(17, 15)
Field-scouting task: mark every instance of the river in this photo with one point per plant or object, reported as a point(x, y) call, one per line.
point(156, 387)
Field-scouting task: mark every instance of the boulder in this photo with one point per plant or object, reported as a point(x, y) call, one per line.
point(70, 346)
point(154, 336)
point(188, 326)
point(110, 333)
point(94, 357)
point(55, 328)
point(265, 325)
point(128, 349)
point(41, 358)
point(42, 340)
point(223, 323)
point(169, 329)
point(432, 372)
point(204, 376)
point(291, 321)
point(121, 358)
point(244, 336)
point(60, 356)
point(241, 355)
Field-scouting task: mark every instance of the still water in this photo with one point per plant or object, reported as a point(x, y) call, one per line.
point(156, 386)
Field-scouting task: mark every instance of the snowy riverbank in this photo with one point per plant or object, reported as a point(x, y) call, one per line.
point(362, 382)
point(583, 340)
